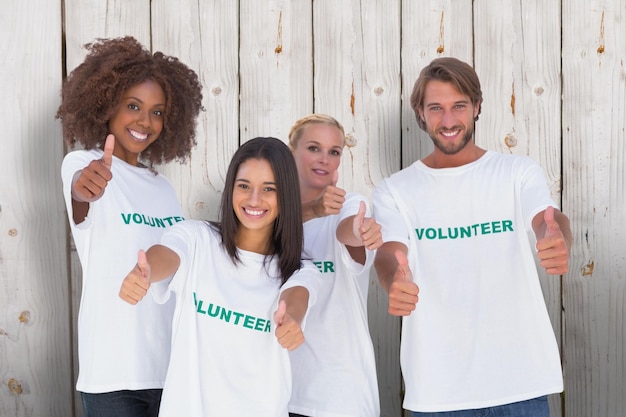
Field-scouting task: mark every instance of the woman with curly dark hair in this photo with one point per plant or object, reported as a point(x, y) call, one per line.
point(130, 110)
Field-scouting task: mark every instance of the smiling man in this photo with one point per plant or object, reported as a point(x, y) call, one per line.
point(455, 229)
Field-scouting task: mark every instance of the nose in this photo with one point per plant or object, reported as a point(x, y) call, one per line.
point(447, 119)
point(143, 119)
point(255, 197)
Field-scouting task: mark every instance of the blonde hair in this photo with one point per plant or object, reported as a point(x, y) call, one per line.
point(316, 118)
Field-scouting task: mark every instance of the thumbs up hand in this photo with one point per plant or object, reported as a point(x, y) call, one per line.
point(330, 201)
point(403, 292)
point(89, 183)
point(288, 331)
point(366, 229)
point(137, 282)
point(552, 248)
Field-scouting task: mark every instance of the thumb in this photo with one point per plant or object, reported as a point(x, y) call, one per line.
point(279, 315)
point(143, 265)
point(109, 145)
point(360, 216)
point(335, 178)
point(403, 265)
point(552, 225)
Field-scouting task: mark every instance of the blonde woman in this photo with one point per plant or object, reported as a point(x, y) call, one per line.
point(334, 371)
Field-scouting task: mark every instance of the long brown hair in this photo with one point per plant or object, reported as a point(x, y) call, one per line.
point(287, 236)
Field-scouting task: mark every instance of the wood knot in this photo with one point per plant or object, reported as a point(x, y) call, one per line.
point(510, 140)
point(14, 386)
point(24, 317)
point(350, 140)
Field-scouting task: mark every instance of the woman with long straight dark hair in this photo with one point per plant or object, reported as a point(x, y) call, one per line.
point(241, 290)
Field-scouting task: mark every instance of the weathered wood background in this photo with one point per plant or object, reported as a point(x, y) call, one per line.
point(554, 79)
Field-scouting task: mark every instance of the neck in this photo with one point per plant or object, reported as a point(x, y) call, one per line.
point(438, 159)
point(257, 241)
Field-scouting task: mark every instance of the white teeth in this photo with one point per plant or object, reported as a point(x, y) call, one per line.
point(253, 212)
point(450, 134)
point(138, 135)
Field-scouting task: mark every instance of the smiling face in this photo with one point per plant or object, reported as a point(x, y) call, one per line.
point(318, 155)
point(255, 201)
point(138, 120)
point(449, 117)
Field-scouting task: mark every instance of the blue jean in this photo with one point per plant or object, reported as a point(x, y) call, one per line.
point(140, 403)
point(537, 407)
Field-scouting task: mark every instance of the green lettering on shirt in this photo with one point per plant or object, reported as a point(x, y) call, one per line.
point(462, 232)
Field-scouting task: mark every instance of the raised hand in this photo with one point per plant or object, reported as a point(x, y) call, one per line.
point(89, 185)
point(137, 282)
point(552, 247)
point(330, 201)
point(366, 229)
point(403, 292)
point(288, 331)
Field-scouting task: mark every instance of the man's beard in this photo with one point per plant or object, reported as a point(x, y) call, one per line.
point(452, 149)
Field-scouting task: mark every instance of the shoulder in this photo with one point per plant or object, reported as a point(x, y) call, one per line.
point(82, 155)
point(520, 160)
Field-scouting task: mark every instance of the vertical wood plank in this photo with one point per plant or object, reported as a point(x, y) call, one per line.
point(594, 126)
point(517, 51)
point(35, 355)
point(85, 21)
point(357, 81)
point(430, 29)
point(275, 66)
point(205, 36)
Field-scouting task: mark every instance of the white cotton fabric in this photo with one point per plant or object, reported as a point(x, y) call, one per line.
point(225, 359)
point(480, 335)
point(120, 346)
point(334, 371)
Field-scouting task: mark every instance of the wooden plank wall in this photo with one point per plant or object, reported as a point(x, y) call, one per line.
point(554, 80)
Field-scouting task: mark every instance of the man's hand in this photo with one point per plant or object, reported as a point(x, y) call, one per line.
point(553, 248)
point(403, 292)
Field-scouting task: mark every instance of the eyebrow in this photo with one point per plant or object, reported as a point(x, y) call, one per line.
point(436, 103)
point(316, 142)
point(141, 101)
point(248, 181)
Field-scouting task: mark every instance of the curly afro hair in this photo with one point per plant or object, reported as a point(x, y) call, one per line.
point(92, 92)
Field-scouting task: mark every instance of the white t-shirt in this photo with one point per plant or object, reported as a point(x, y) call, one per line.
point(334, 371)
point(480, 335)
point(225, 358)
point(120, 346)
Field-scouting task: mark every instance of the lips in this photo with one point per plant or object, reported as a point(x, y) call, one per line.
point(319, 172)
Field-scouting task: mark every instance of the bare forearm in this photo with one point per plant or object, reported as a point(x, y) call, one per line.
point(163, 262)
point(386, 263)
point(297, 302)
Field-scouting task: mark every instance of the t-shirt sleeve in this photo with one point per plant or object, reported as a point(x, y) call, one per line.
point(72, 163)
point(389, 215)
point(308, 277)
point(535, 193)
point(181, 239)
point(351, 208)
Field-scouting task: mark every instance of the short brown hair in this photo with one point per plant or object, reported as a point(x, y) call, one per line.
point(450, 70)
